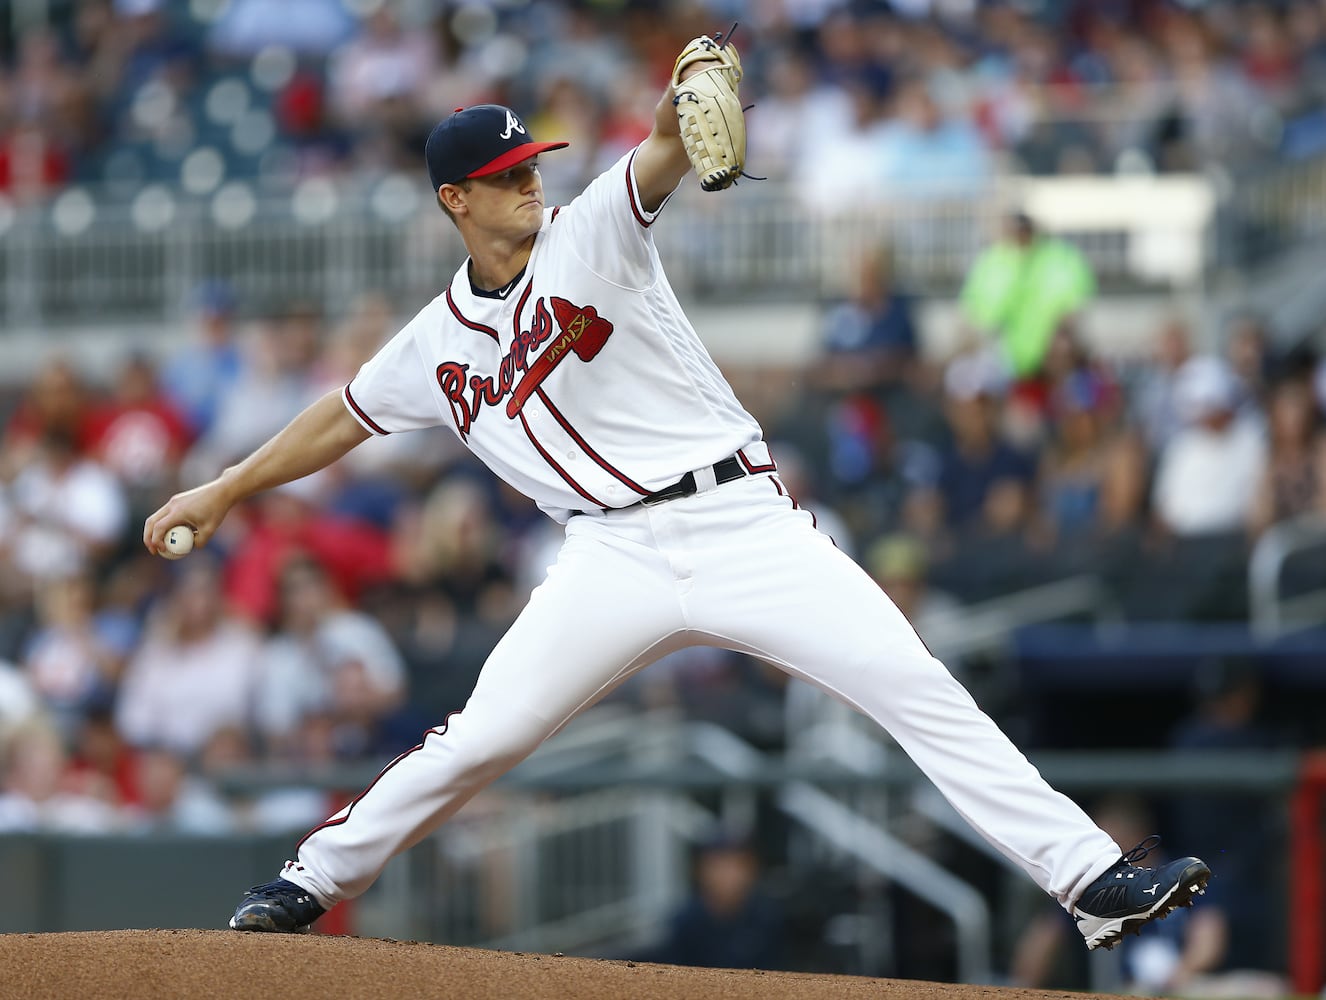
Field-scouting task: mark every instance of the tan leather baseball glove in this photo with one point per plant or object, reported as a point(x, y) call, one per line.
point(713, 128)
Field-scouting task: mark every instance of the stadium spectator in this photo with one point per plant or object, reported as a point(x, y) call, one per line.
point(279, 380)
point(921, 153)
point(899, 564)
point(307, 27)
point(1152, 397)
point(979, 465)
point(1269, 61)
point(50, 120)
point(44, 86)
point(1093, 473)
point(379, 86)
point(1293, 482)
point(1025, 288)
point(200, 375)
point(19, 702)
point(33, 792)
point(1216, 109)
point(855, 146)
point(284, 809)
point(171, 800)
point(333, 664)
point(730, 922)
point(869, 340)
point(57, 399)
point(797, 116)
point(568, 108)
point(453, 546)
point(138, 433)
point(32, 163)
point(975, 508)
point(1247, 349)
point(74, 657)
point(66, 510)
point(294, 521)
point(196, 670)
point(102, 763)
point(1180, 88)
point(1227, 715)
point(1208, 474)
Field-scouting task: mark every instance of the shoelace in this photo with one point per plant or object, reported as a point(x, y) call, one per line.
point(266, 889)
point(1141, 850)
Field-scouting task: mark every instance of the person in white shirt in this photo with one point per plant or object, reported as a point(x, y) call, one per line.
point(195, 672)
point(560, 356)
point(1209, 471)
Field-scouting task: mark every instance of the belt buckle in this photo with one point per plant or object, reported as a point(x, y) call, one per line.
point(683, 487)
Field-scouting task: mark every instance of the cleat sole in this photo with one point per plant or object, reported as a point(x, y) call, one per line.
point(1192, 882)
point(263, 921)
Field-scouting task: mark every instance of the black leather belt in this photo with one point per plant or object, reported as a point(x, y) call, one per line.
point(724, 472)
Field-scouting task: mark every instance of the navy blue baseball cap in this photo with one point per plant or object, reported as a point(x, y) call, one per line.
point(478, 141)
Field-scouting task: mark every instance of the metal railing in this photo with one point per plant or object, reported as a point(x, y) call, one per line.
point(987, 626)
point(1270, 211)
point(1272, 612)
point(517, 873)
point(83, 258)
point(472, 867)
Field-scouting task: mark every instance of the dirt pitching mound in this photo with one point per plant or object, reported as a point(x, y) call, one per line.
point(92, 965)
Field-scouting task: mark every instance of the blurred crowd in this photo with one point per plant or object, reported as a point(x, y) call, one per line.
point(334, 619)
point(927, 96)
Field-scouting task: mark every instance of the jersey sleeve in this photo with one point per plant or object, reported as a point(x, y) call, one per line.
point(609, 229)
point(393, 392)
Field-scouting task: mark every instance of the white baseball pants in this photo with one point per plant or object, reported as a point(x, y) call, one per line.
point(741, 567)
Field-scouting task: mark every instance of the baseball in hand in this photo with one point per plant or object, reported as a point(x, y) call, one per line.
point(179, 542)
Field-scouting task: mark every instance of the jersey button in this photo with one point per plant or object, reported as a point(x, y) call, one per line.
point(572, 456)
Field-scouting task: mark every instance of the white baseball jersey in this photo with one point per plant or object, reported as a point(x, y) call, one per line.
point(582, 384)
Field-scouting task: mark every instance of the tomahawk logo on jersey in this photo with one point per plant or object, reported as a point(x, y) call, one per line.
point(581, 332)
point(583, 384)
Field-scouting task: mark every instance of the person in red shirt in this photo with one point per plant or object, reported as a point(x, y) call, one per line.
point(57, 400)
point(139, 434)
point(285, 524)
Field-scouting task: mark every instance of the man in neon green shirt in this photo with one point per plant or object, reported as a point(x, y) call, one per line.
point(1021, 290)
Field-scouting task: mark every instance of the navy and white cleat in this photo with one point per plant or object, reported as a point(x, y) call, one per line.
point(1127, 897)
point(279, 907)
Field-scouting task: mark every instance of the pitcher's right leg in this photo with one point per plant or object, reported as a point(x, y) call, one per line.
point(605, 611)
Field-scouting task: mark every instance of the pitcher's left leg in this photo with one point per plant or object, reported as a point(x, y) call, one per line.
point(791, 597)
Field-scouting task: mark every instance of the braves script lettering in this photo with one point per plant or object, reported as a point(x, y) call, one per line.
point(579, 330)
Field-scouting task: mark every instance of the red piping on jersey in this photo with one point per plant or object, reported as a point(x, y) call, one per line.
point(438, 731)
point(601, 462)
point(555, 467)
point(566, 424)
point(466, 322)
point(636, 209)
point(361, 414)
point(520, 306)
point(553, 217)
point(784, 491)
point(755, 470)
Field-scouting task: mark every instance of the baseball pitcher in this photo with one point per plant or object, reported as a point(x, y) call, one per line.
point(559, 355)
